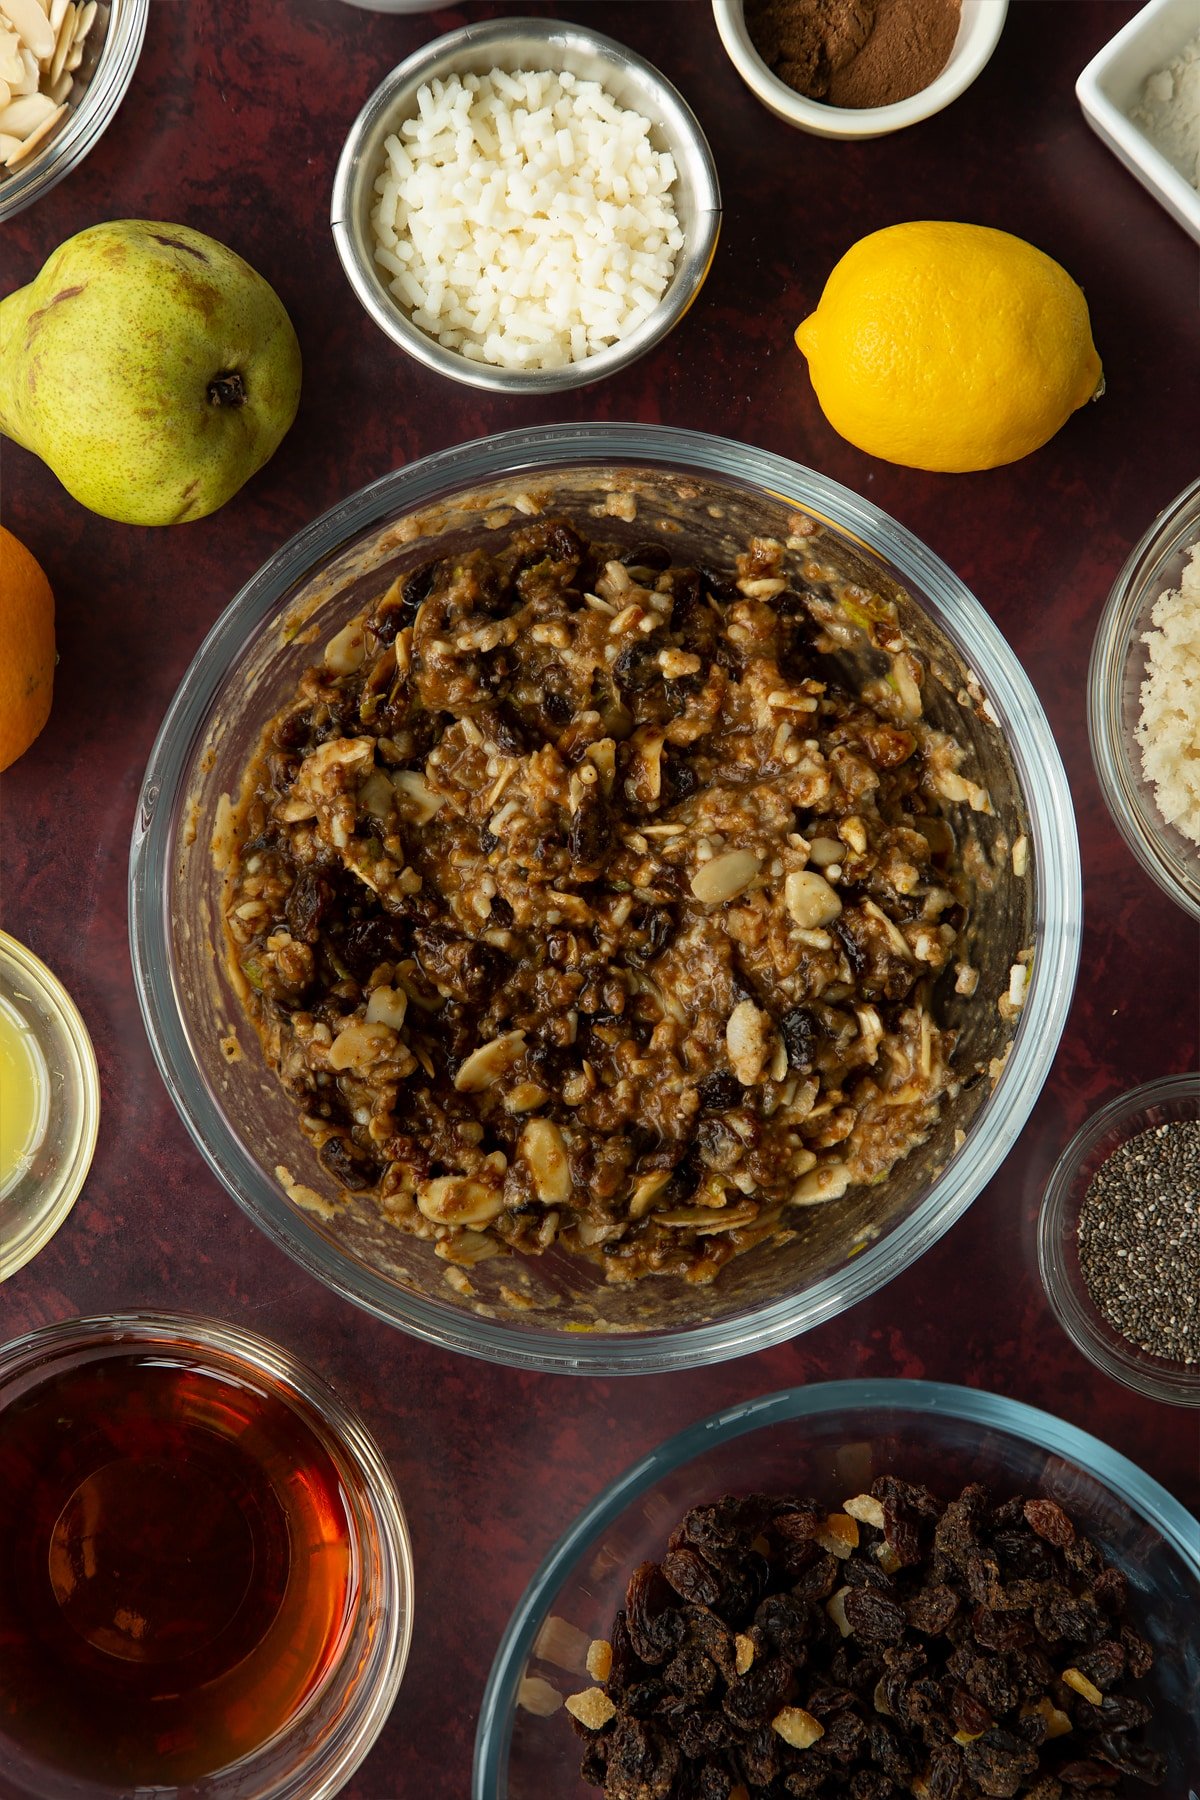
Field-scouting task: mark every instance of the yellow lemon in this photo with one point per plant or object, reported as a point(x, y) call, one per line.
point(946, 346)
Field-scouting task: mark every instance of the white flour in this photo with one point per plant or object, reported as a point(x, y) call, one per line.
point(1169, 111)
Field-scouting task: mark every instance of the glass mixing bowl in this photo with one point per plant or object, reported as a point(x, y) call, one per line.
point(829, 1442)
point(623, 483)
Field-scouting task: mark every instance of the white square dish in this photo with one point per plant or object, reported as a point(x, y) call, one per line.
point(1111, 86)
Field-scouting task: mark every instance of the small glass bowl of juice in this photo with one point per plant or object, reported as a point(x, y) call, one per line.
point(49, 1104)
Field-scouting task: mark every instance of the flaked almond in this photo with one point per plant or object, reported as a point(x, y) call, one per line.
point(418, 801)
point(361, 1045)
point(592, 1708)
point(749, 1039)
point(484, 1067)
point(545, 1152)
point(724, 876)
point(797, 1727)
point(387, 1006)
point(457, 1200)
point(809, 899)
point(827, 1182)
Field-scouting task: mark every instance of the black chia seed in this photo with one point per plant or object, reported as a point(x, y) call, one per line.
point(1139, 1240)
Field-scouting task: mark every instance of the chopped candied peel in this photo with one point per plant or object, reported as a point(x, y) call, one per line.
point(599, 1659)
point(797, 1727)
point(578, 908)
point(592, 1708)
point(536, 1695)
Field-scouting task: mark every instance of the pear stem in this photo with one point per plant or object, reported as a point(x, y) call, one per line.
point(227, 390)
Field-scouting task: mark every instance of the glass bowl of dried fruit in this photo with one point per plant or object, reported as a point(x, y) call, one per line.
point(892, 1587)
point(477, 932)
point(1119, 1239)
point(1143, 694)
point(67, 67)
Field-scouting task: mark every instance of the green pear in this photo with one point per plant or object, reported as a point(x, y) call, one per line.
point(151, 368)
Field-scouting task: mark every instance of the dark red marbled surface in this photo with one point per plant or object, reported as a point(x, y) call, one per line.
point(233, 125)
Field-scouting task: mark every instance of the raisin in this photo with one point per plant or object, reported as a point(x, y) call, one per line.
point(785, 1623)
point(1137, 1650)
point(999, 1762)
point(1050, 1522)
point(591, 829)
point(308, 904)
point(1103, 1665)
point(692, 1577)
point(1139, 1760)
point(1086, 1772)
point(758, 1694)
point(817, 1581)
point(348, 1164)
point(873, 1618)
point(651, 929)
point(647, 556)
point(642, 1763)
point(798, 1028)
point(1110, 1589)
point(464, 970)
point(719, 1091)
point(654, 1626)
point(759, 1756)
point(368, 943)
point(843, 1737)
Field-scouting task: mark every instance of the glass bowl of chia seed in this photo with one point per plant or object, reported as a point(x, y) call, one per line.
point(1119, 1239)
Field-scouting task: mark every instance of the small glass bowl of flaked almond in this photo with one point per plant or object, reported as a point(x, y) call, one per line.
point(64, 68)
point(784, 1592)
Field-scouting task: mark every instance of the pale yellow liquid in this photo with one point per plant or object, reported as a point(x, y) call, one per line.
point(24, 1096)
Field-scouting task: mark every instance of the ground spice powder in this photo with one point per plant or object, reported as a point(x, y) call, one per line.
point(854, 53)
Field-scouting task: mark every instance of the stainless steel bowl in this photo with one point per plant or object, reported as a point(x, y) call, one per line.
point(541, 44)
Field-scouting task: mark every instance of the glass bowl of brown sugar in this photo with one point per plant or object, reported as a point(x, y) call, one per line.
point(854, 71)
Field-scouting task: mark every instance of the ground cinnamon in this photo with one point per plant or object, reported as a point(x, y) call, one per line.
point(854, 53)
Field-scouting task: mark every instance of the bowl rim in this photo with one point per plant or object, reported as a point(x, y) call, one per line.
point(89, 120)
point(858, 121)
point(974, 1406)
point(320, 1775)
point(82, 1078)
point(1132, 811)
point(692, 264)
point(1176, 1384)
point(1057, 925)
point(1129, 142)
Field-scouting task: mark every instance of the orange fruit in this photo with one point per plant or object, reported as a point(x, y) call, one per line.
point(26, 648)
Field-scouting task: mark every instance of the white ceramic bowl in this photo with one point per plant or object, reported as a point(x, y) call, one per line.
point(1111, 87)
point(978, 34)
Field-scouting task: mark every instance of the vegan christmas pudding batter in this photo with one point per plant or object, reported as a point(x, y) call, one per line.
point(585, 900)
